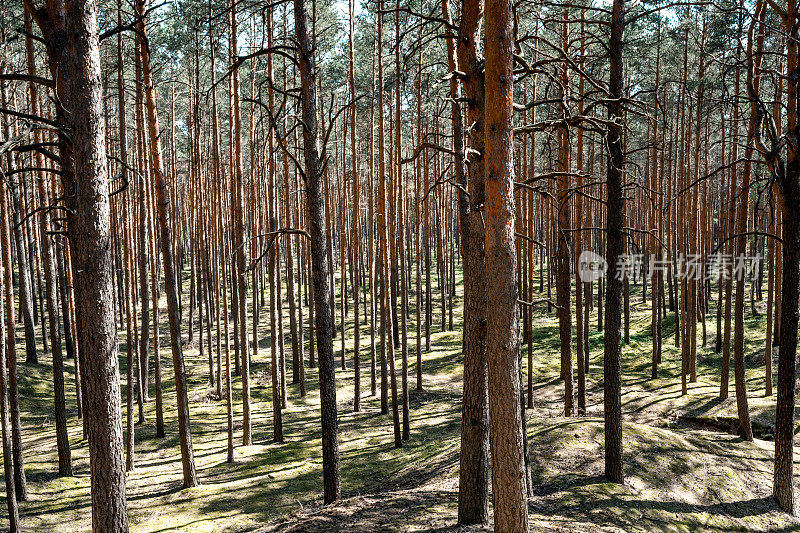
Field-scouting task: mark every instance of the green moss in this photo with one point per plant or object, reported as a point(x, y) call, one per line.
point(679, 477)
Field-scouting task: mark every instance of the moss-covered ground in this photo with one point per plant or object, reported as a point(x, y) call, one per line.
point(684, 471)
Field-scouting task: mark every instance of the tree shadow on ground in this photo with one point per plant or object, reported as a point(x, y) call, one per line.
point(389, 512)
point(593, 500)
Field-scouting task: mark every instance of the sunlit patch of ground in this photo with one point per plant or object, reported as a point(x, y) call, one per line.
point(680, 476)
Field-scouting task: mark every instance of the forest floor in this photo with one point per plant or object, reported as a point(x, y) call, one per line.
point(684, 471)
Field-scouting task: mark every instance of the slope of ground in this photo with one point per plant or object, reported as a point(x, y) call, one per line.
point(680, 477)
point(678, 481)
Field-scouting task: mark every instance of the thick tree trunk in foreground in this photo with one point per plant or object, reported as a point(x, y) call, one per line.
point(474, 462)
point(73, 27)
point(615, 245)
point(789, 187)
point(473, 486)
point(783, 489)
point(319, 263)
point(502, 330)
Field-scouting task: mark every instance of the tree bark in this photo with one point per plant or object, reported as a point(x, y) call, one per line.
point(563, 282)
point(789, 188)
point(168, 258)
point(473, 496)
point(502, 338)
point(238, 233)
point(73, 27)
point(319, 264)
point(615, 245)
point(5, 422)
point(21, 490)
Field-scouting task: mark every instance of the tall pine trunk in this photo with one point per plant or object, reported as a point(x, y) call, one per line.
point(502, 329)
point(73, 27)
point(319, 263)
point(615, 246)
point(473, 495)
point(168, 257)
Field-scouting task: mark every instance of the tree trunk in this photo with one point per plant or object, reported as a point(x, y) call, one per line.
point(73, 27)
point(740, 227)
point(563, 282)
point(238, 233)
point(319, 264)
point(789, 187)
point(21, 486)
point(502, 338)
point(473, 496)
point(8, 461)
point(615, 246)
point(24, 278)
point(356, 221)
point(168, 258)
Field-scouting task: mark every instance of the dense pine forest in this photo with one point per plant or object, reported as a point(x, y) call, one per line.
point(399, 265)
